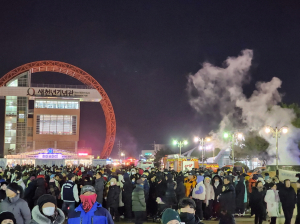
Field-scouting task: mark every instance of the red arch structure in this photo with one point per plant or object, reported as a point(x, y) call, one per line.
point(82, 76)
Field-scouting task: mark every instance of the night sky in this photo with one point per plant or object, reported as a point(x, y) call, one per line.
point(142, 51)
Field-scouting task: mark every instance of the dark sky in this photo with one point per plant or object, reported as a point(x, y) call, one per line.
point(142, 51)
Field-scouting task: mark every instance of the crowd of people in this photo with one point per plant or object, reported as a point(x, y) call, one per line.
point(90, 195)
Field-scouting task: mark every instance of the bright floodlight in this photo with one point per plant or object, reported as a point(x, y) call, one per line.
point(208, 139)
point(175, 142)
point(196, 139)
point(226, 135)
point(284, 130)
point(185, 142)
point(240, 135)
point(208, 147)
point(267, 130)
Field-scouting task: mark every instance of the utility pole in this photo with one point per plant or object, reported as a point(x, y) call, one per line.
point(119, 148)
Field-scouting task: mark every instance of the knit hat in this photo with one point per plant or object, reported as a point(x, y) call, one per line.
point(15, 188)
point(141, 171)
point(7, 215)
point(169, 215)
point(45, 199)
point(139, 181)
point(87, 188)
point(255, 177)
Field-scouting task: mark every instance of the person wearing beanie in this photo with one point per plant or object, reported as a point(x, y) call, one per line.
point(7, 217)
point(69, 194)
point(89, 211)
point(170, 217)
point(138, 202)
point(113, 198)
point(15, 204)
point(46, 211)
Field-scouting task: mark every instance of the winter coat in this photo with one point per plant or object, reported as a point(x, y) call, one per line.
point(217, 189)
point(161, 190)
point(113, 196)
point(251, 185)
point(30, 192)
point(199, 190)
point(287, 197)
point(99, 187)
point(138, 199)
point(38, 217)
point(54, 191)
point(240, 193)
point(272, 204)
point(170, 196)
point(18, 207)
point(40, 190)
point(96, 215)
point(227, 199)
point(256, 202)
point(189, 218)
point(180, 189)
point(189, 184)
point(127, 192)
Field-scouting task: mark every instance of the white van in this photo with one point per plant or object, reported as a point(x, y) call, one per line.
point(145, 165)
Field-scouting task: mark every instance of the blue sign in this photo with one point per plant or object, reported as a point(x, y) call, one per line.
point(50, 151)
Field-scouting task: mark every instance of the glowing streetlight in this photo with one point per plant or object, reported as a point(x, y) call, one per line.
point(276, 134)
point(201, 142)
point(180, 144)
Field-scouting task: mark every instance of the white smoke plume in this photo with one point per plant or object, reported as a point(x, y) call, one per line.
point(219, 91)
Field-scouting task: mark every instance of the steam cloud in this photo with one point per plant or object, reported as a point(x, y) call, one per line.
point(219, 90)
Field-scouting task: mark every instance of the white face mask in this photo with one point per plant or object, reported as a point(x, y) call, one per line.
point(49, 211)
point(132, 172)
point(112, 183)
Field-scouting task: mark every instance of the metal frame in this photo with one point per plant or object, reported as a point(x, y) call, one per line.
point(82, 76)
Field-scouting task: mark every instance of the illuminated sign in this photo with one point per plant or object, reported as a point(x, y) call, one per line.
point(49, 156)
point(148, 154)
point(83, 154)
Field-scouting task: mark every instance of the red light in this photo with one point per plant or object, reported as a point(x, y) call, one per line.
point(83, 154)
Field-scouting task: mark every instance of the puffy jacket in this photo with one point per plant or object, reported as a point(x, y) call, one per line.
point(227, 199)
point(189, 185)
point(38, 217)
point(138, 199)
point(272, 204)
point(40, 190)
point(113, 196)
point(199, 190)
point(97, 215)
point(99, 187)
point(18, 207)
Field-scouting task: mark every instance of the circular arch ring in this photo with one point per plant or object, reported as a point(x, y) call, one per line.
point(82, 76)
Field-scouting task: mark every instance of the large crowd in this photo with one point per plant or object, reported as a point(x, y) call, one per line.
point(92, 195)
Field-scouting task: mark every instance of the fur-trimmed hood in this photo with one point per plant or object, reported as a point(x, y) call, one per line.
point(38, 217)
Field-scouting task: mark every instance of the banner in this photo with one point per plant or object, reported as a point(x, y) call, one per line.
point(287, 174)
point(100, 162)
point(187, 165)
point(3, 163)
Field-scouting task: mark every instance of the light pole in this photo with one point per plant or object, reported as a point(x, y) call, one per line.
point(233, 137)
point(123, 154)
point(180, 144)
point(276, 134)
point(201, 142)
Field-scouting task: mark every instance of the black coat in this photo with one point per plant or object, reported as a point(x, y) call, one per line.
point(240, 193)
point(257, 202)
point(218, 189)
point(127, 192)
point(40, 190)
point(170, 196)
point(227, 199)
point(113, 197)
point(180, 189)
point(161, 190)
point(287, 197)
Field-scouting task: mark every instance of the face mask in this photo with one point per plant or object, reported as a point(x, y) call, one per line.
point(88, 201)
point(133, 173)
point(112, 183)
point(128, 172)
point(230, 174)
point(49, 211)
point(133, 181)
point(216, 181)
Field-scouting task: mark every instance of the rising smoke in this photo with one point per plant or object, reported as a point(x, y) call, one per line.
point(219, 90)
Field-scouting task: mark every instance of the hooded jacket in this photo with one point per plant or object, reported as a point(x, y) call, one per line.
point(227, 199)
point(138, 199)
point(189, 184)
point(287, 197)
point(218, 188)
point(18, 207)
point(240, 193)
point(38, 217)
point(96, 215)
point(199, 190)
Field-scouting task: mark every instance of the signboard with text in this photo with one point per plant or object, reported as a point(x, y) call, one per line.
point(188, 165)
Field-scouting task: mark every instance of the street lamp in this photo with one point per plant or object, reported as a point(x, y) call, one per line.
point(233, 137)
point(180, 144)
point(276, 134)
point(201, 142)
point(123, 154)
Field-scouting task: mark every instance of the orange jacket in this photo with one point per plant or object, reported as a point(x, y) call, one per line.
point(189, 185)
point(251, 184)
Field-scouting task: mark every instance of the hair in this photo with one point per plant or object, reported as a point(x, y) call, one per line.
point(186, 202)
point(100, 173)
point(258, 183)
point(271, 185)
point(19, 176)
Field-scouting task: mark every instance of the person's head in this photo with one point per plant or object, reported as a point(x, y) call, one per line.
point(275, 180)
point(47, 204)
point(88, 197)
point(57, 177)
point(287, 183)
point(4, 186)
point(190, 176)
point(170, 217)
point(272, 186)
point(144, 177)
point(18, 176)
point(227, 180)
point(298, 184)
point(13, 190)
point(217, 180)
point(140, 182)
point(187, 205)
point(113, 181)
point(207, 180)
point(7, 218)
point(98, 175)
point(71, 177)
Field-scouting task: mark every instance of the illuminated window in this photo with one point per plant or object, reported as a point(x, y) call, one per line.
point(53, 104)
point(56, 124)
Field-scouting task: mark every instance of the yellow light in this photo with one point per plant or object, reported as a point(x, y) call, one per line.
point(208, 139)
point(284, 130)
point(240, 135)
point(196, 139)
point(185, 142)
point(175, 142)
point(267, 130)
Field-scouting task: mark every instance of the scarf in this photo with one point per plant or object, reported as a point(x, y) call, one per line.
point(88, 201)
point(276, 196)
point(216, 184)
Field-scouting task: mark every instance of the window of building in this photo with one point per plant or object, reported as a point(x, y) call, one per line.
point(56, 124)
point(29, 131)
point(53, 104)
